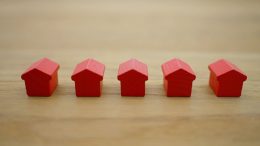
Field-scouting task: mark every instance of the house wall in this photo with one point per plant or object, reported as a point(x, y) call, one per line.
point(227, 87)
point(165, 84)
point(213, 82)
point(88, 88)
point(179, 88)
point(133, 88)
point(37, 88)
point(53, 82)
point(230, 88)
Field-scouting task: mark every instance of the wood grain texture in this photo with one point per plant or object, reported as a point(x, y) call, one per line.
point(198, 32)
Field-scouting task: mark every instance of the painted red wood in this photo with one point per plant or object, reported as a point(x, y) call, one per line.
point(132, 74)
point(178, 78)
point(41, 78)
point(226, 79)
point(88, 76)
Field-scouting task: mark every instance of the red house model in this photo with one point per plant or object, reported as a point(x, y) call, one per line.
point(132, 74)
point(88, 76)
point(226, 79)
point(178, 78)
point(41, 78)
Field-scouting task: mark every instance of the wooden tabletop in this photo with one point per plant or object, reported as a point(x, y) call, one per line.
point(198, 32)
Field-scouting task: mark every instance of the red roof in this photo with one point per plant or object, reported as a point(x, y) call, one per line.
point(225, 69)
point(91, 66)
point(45, 67)
point(176, 68)
point(133, 65)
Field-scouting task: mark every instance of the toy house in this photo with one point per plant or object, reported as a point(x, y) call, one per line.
point(88, 76)
point(41, 78)
point(178, 77)
point(226, 79)
point(132, 74)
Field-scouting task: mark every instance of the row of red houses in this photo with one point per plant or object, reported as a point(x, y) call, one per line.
point(41, 78)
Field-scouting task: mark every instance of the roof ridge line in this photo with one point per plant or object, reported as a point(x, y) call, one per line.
point(178, 63)
point(39, 62)
point(133, 63)
point(230, 65)
point(88, 63)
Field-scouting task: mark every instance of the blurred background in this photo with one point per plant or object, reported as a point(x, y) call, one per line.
point(198, 25)
point(112, 31)
point(153, 31)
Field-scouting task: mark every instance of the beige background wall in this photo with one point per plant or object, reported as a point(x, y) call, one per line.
point(198, 32)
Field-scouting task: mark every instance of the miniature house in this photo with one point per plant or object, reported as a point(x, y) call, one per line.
point(226, 79)
point(88, 76)
point(132, 74)
point(178, 77)
point(41, 78)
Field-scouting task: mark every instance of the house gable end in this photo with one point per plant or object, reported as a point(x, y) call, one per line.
point(35, 74)
point(132, 75)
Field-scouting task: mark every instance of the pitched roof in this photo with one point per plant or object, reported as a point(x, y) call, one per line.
point(176, 67)
point(44, 66)
point(90, 65)
point(133, 65)
point(223, 67)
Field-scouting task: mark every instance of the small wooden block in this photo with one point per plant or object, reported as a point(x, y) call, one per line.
point(226, 80)
point(88, 76)
point(178, 77)
point(132, 74)
point(41, 78)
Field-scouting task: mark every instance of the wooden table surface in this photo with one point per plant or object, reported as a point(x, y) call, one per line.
point(155, 31)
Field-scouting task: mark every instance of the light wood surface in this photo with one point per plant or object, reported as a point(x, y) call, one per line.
point(198, 32)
